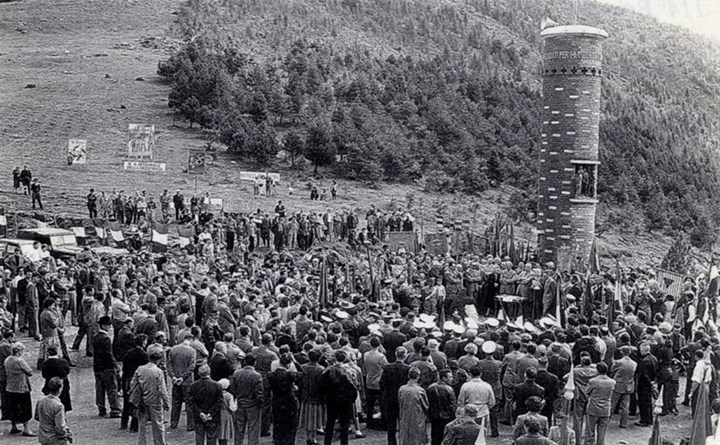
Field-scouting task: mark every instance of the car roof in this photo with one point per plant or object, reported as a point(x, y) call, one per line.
point(49, 231)
point(20, 242)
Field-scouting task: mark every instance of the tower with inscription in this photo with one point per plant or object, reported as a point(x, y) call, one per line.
point(567, 190)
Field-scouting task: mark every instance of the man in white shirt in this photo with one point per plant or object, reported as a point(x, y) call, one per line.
point(477, 392)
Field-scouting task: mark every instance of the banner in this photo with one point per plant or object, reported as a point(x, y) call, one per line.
point(196, 162)
point(670, 282)
point(407, 240)
point(137, 166)
point(77, 151)
point(249, 176)
point(116, 232)
point(160, 237)
point(3, 222)
point(141, 141)
point(185, 234)
point(436, 243)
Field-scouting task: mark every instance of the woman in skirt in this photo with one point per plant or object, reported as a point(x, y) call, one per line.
point(312, 413)
point(18, 390)
point(227, 426)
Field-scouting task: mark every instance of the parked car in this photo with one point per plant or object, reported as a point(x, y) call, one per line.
point(8, 246)
point(63, 243)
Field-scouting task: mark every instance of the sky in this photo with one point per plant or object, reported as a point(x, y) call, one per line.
point(700, 16)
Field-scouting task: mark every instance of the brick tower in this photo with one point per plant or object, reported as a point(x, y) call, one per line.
point(567, 196)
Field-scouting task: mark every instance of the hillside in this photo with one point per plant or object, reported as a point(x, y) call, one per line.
point(446, 94)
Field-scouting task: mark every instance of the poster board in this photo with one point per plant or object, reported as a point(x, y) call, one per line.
point(77, 152)
point(250, 176)
point(141, 141)
point(138, 166)
point(670, 282)
point(196, 162)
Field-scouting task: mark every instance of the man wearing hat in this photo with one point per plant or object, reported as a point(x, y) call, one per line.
point(549, 290)
point(466, 430)
point(490, 372)
point(105, 368)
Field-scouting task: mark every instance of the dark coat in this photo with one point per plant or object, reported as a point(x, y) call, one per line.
point(523, 392)
point(551, 384)
point(102, 352)
point(133, 359)
point(207, 397)
point(58, 367)
point(393, 377)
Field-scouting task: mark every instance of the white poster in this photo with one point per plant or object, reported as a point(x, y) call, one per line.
point(141, 141)
point(77, 151)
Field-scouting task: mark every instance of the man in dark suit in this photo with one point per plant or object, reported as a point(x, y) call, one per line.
point(132, 360)
point(623, 372)
point(549, 298)
point(466, 431)
point(393, 339)
point(220, 365)
point(180, 368)
point(526, 390)
point(600, 392)
point(207, 401)
point(551, 384)
point(105, 368)
point(246, 385)
point(647, 371)
point(393, 377)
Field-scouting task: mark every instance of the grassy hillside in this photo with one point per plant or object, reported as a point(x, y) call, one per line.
point(447, 94)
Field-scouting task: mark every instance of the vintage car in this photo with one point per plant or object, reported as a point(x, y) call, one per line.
point(63, 243)
point(8, 246)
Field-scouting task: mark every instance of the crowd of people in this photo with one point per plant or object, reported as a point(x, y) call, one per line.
point(23, 181)
point(277, 340)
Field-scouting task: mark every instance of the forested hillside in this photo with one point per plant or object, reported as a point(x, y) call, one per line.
point(447, 93)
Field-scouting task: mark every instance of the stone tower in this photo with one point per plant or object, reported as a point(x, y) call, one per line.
point(567, 195)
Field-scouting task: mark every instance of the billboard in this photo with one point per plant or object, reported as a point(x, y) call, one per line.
point(141, 141)
point(138, 166)
point(77, 151)
point(436, 243)
point(196, 162)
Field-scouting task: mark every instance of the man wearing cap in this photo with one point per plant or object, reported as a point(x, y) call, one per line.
point(438, 357)
point(394, 376)
point(105, 368)
point(441, 399)
point(490, 372)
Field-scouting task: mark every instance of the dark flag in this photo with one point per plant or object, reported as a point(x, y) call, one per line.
point(159, 237)
point(594, 261)
point(323, 291)
point(588, 304)
point(513, 252)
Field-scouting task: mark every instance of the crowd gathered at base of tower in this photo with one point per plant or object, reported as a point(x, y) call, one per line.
point(305, 339)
